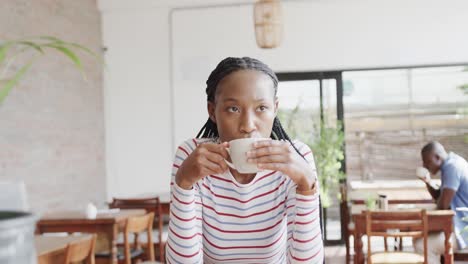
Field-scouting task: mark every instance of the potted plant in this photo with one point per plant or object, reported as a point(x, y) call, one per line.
point(328, 152)
point(30, 50)
point(326, 143)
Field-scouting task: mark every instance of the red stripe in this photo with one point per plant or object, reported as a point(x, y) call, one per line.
point(186, 152)
point(175, 165)
point(306, 223)
point(183, 219)
point(195, 142)
point(307, 259)
point(246, 201)
point(231, 259)
point(222, 179)
point(245, 231)
point(183, 255)
point(307, 153)
point(306, 213)
point(179, 236)
point(307, 200)
point(243, 247)
point(264, 176)
point(244, 216)
point(182, 201)
point(257, 180)
point(306, 241)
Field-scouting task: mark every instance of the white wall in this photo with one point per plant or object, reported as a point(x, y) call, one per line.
point(157, 53)
point(137, 105)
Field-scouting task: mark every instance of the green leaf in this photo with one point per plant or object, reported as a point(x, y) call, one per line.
point(5, 90)
point(3, 50)
point(62, 43)
point(39, 44)
point(31, 44)
point(70, 54)
point(90, 52)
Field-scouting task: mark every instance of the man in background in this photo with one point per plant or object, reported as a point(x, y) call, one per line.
point(452, 194)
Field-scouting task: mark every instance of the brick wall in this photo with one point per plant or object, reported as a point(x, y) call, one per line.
point(51, 125)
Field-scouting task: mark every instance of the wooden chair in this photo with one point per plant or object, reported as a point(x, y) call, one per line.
point(150, 204)
point(347, 225)
point(128, 251)
point(136, 225)
point(396, 224)
point(80, 251)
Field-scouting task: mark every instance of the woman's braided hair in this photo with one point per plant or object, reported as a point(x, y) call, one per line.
point(226, 67)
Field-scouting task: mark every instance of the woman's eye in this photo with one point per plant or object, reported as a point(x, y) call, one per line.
point(233, 109)
point(262, 108)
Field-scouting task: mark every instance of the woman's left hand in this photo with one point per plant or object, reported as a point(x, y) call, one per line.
point(281, 156)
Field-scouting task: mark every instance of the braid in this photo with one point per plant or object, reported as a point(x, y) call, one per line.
point(279, 133)
point(209, 130)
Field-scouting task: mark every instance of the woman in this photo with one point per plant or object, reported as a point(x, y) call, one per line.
point(219, 215)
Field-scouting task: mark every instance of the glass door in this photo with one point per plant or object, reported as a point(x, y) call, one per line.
point(306, 101)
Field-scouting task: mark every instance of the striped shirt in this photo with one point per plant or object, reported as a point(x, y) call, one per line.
point(222, 221)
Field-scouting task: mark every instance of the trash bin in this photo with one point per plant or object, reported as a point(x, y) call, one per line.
point(17, 237)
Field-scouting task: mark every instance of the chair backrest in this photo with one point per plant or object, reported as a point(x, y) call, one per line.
point(396, 224)
point(82, 250)
point(150, 204)
point(135, 225)
point(13, 196)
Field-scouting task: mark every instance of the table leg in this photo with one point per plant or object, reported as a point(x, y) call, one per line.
point(112, 234)
point(358, 254)
point(448, 255)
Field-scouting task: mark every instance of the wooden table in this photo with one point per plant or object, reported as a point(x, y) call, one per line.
point(51, 249)
point(404, 196)
point(76, 221)
point(438, 221)
point(408, 191)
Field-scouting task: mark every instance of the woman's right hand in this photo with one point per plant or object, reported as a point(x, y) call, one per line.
point(206, 159)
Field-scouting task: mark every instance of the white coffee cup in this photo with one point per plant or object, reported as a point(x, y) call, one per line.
point(238, 149)
point(422, 173)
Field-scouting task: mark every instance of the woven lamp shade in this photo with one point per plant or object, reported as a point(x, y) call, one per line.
point(268, 23)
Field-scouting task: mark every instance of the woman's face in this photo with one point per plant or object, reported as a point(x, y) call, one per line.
point(245, 105)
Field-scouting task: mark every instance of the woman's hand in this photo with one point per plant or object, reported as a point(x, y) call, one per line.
point(206, 159)
point(281, 156)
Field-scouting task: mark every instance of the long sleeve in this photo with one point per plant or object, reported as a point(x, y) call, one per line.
point(305, 244)
point(184, 244)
